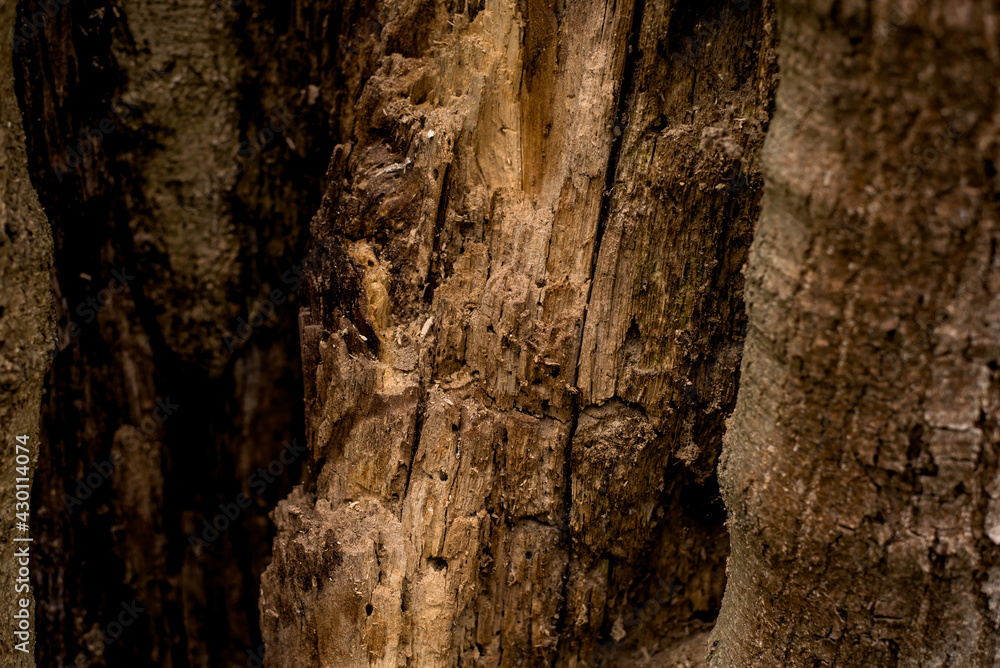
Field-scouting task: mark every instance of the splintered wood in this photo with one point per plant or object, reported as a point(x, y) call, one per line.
point(518, 358)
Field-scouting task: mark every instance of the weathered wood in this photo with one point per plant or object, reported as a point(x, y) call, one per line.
point(525, 182)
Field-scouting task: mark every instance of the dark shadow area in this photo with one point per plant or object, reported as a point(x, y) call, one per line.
point(185, 457)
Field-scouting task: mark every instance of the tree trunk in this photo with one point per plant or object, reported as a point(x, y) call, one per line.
point(861, 470)
point(500, 248)
point(523, 337)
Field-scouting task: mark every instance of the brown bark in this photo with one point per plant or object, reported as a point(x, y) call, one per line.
point(860, 472)
point(26, 328)
point(523, 337)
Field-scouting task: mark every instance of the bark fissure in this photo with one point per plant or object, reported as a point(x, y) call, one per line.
point(618, 120)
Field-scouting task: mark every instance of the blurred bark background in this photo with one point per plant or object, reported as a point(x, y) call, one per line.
point(176, 196)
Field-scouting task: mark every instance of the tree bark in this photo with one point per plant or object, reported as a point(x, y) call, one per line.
point(26, 329)
point(521, 329)
point(523, 337)
point(860, 473)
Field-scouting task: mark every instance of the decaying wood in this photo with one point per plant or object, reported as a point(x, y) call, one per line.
point(529, 305)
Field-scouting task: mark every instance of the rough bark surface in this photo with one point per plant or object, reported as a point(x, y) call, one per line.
point(528, 303)
point(861, 470)
point(26, 325)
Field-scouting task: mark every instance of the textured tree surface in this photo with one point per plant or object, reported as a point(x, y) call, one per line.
point(26, 325)
point(861, 469)
point(482, 265)
point(523, 338)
